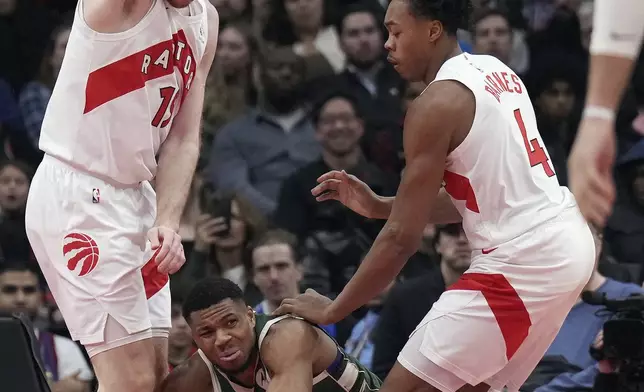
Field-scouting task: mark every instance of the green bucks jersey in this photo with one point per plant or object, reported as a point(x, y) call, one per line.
point(345, 375)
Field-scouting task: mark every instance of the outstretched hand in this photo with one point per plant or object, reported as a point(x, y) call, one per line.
point(348, 190)
point(311, 306)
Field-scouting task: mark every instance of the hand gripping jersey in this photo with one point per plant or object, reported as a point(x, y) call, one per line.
point(500, 178)
point(117, 94)
point(345, 374)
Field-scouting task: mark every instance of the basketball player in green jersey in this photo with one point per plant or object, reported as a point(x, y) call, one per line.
point(240, 351)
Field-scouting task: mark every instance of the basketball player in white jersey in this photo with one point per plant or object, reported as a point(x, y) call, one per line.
point(618, 27)
point(473, 131)
point(126, 109)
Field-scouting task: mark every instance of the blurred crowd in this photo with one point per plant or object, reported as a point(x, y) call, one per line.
point(300, 87)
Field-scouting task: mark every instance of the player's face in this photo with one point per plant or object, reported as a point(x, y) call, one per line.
point(19, 292)
point(275, 272)
point(225, 333)
point(410, 41)
point(339, 129)
point(454, 248)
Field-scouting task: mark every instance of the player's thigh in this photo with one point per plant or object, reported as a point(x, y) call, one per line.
point(422, 368)
point(92, 250)
point(542, 333)
point(400, 379)
point(471, 331)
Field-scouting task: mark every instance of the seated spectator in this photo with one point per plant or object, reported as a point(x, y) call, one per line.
point(492, 34)
point(625, 229)
point(219, 248)
point(579, 330)
point(230, 88)
point(360, 343)
point(341, 235)
point(276, 266)
point(371, 79)
point(555, 84)
point(15, 178)
point(409, 301)
point(180, 343)
point(305, 25)
point(35, 95)
point(233, 11)
point(65, 366)
point(253, 154)
point(9, 110)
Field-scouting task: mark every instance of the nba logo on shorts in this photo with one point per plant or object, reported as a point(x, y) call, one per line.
point(96, 195)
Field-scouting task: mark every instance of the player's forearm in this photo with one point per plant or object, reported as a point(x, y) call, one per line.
point(299, 379)
point(177, 163)
point(443, 212)
point(606, 92)
point(383, 263)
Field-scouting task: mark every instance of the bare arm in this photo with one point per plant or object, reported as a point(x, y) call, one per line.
point(430, 123)
point(443, 212)
point(288, 353)
point(178, 154)
point(616, 39)
point(191, 376)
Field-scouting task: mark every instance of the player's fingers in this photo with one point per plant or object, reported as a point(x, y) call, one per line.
point(331, 195)
point(162, 255)
point(283, 309)
point(153, 237)
point(326, 186)
point(177, 257)
point(178, 262)
point(330, 175)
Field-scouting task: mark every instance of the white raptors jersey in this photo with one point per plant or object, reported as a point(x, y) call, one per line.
point(117, 94)
point(500, 177)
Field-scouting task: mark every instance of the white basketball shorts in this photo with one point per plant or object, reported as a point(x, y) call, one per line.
point(495, 323)
point(90, 240)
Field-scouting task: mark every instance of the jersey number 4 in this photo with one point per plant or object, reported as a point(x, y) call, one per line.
point(168, 100)
point(536, 153)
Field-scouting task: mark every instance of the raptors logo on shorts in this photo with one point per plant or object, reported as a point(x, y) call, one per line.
point(80, 248)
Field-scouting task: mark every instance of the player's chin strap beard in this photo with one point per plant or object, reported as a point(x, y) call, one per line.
point(252, 360)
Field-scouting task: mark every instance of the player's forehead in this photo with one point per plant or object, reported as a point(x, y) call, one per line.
point(215, 313)
point(396, 14)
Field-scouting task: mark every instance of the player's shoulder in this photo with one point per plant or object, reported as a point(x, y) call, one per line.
point(192, 375)
point(288, 329)
point(213, 17)
point(443, 96)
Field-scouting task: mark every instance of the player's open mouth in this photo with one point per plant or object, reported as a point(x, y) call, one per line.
point(230, 357)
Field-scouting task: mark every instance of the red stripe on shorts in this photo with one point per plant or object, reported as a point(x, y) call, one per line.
point(506, 305)
point(153, 280)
